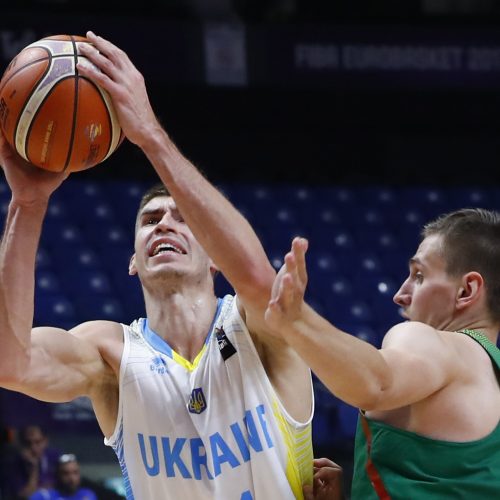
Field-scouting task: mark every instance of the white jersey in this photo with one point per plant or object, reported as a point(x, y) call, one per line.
point(210, 429)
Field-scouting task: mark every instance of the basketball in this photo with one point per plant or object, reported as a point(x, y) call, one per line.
point(51, 116)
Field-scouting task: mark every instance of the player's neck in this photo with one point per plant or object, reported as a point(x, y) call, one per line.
point(182, 320)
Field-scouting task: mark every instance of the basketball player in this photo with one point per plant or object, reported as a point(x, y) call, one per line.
point(430, 397)
point(197, 400)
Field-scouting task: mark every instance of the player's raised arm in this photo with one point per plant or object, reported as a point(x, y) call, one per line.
point(49, 364)
point(31, 189)
point(354, 370)
point(224, 233)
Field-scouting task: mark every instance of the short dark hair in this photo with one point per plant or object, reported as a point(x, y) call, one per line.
point(154, 191)
point(471, 242)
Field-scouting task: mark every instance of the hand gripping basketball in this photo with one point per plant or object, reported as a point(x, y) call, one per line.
point(53, 117)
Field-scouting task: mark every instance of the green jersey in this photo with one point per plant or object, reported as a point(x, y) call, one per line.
point(392, 463)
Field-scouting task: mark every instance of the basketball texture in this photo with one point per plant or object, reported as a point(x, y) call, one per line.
point(53, 117)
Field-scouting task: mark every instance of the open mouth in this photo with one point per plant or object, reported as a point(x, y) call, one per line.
point(166, 247)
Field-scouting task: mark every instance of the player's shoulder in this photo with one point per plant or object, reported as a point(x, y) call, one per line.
point(96, 327)
point(411, 333)
point(99, 331)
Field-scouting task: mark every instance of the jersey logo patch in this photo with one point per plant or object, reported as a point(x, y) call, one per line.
point(158, 365)
point(197, 402)
point(225, 347)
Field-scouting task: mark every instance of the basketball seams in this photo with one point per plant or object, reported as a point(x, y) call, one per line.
point(75, 104)
point(22, 68)
point(33, 104)
point(21, 116)
point(27, 65)
point(39, 108)
point(114, 126)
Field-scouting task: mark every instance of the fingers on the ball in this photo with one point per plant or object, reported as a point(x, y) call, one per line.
point(110, 50)
point(100, 63)
point(101, 43)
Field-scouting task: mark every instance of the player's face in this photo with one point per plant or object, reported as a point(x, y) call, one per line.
point(163, 241)
point(429, 293)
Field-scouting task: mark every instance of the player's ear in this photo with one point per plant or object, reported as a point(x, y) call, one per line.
point(470, 289)
point(132, 270)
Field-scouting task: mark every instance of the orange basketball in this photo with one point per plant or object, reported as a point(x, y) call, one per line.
point(53, 117)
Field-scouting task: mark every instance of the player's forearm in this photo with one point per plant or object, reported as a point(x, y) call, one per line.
point(352, 369)
point(225, 234)
point(17, 263)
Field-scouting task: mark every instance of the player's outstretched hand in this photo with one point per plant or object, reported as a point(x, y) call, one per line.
point(327, 481)
point(287, 297)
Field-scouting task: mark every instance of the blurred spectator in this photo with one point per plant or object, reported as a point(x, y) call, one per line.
point(6, 446)
point(68, 483)
point(31, 465)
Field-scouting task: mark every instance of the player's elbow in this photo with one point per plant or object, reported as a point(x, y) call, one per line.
point(13, 368)
point(375, 392)
point(369, 402)
point(256, 287)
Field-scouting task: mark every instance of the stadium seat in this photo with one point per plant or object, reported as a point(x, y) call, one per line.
point(66, 235)
point(382, 198)
point(54, 310)
point(325, 428)
point(100, 307)
point(58, 211)
point(366, 218)
point(222, 286)
point(43, 259)
point(324, 399)
point(80, 281)
point(46, 281)
point(366, 332)
point(432, 201)
point(80, 257)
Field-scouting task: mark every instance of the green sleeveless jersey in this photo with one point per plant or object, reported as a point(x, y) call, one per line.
point(391, 463)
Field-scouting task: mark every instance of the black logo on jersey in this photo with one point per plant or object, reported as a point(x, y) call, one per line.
point(225, 347)
point(197, 402)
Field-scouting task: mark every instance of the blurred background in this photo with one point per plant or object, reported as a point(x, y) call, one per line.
point(350, 122)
